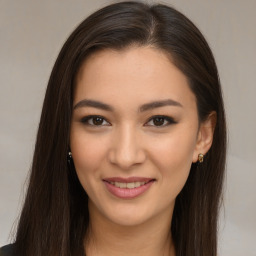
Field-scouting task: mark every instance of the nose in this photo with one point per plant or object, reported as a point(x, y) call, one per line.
point(126, 148)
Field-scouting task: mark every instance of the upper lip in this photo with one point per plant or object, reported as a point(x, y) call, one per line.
point(127, 180)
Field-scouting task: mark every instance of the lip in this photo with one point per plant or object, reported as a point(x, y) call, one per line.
point(128, 193)
point(127, 180)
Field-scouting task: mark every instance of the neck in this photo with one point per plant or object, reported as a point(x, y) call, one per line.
point(150, 238)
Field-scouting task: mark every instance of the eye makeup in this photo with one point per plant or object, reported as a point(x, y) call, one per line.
point(155, 121)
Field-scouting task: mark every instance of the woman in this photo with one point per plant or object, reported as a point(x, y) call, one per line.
point(131, 146)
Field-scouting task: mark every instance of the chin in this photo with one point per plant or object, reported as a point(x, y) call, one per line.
point(129, 220)
point(123, 214)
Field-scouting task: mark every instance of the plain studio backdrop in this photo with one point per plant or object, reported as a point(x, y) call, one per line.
point(31, 35)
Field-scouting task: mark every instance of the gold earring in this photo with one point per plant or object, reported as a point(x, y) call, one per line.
point(200, 158)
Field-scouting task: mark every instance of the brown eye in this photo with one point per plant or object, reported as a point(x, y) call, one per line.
point(160, 121)
point(95, 121)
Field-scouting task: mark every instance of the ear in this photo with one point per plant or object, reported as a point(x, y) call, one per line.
point(205, 136)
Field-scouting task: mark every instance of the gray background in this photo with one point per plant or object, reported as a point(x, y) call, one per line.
point(31, 35)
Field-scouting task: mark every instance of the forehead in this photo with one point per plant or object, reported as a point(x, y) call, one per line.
point(131, 75)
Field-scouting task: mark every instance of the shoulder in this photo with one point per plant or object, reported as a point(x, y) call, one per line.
point(7, 250)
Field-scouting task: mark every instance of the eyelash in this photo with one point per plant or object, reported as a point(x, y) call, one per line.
point(85, 120)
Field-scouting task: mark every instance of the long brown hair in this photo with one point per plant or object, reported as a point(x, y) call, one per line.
point(55, 218)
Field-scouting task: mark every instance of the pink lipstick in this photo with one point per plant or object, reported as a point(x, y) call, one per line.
point(128, 188)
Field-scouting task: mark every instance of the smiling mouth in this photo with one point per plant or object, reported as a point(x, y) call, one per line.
point(128, 185)
point(128, 188)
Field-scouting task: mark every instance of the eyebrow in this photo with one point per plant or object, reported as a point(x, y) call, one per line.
point(142, 108)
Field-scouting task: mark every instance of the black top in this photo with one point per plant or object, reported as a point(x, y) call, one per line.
point(7, 250)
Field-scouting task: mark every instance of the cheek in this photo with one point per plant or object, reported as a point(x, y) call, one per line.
point(174, 150)
point(87, 154)
point(173, 157)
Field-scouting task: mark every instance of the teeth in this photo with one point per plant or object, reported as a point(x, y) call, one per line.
point(122, 185)
point(128, 185)
point(138, 184)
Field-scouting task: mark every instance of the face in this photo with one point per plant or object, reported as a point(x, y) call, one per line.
point(134, 133)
